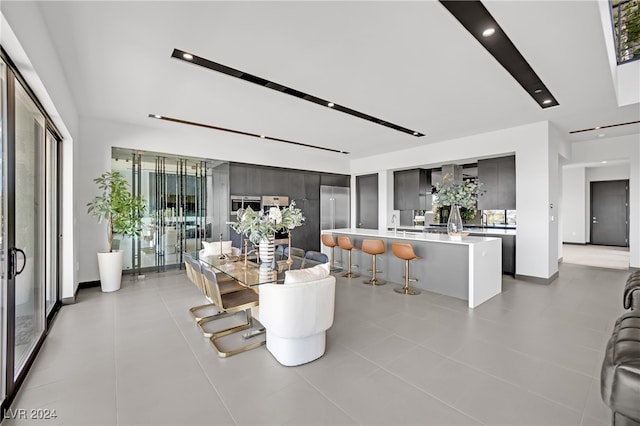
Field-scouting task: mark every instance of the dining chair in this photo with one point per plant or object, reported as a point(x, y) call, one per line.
point(194, 271)
point(235, 310)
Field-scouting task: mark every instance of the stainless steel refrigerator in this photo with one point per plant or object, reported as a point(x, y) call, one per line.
point(334, 207)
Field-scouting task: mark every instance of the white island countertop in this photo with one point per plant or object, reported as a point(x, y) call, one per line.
point(413, 236)
point(473, 230)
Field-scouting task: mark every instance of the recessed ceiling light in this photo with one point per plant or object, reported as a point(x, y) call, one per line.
point(476, 19)
point(262, 136)
point(601, 135)
point(488, 32)
point(603, 162)
point(546, 101)
point(187, 56)
point(537, 91)
point(330, 104)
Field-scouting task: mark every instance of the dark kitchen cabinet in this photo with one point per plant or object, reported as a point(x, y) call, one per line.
point(412, 190)
point(498, 178)
point(300, 185)
point(367, 201)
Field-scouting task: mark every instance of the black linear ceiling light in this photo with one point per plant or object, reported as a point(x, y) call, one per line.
point(478, 21)
point(239, 132)
point(605, 127)
point(215, 66)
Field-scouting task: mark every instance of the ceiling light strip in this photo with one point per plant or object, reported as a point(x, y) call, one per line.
point(239, 132)
point(215, 66)
point(483, 27)
point(604, 127)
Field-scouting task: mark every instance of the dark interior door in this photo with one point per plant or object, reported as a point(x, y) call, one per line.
point(610, 213)
point(367, 208)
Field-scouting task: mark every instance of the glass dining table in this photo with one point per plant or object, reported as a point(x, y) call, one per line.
point(247, 272)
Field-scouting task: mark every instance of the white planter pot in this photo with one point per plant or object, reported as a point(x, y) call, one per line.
point(110, 266)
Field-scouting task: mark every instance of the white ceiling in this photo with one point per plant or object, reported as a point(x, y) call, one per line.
point(410, 63)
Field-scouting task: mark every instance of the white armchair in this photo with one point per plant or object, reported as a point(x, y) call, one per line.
point(297, 315)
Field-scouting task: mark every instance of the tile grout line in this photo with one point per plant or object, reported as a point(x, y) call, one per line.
point(213, 386)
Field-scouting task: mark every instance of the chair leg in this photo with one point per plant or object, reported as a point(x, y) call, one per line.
point(374, 277)
point(230, 343)
point(350, 274)
point(407, 289)
point(206, 325)
point(331, 265)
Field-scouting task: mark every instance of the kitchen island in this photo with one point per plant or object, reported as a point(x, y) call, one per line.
point(468, 269)
point(506, 233)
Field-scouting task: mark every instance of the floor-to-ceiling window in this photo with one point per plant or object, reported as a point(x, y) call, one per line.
point(28, 226)
point(3, 240)
point(187, 202)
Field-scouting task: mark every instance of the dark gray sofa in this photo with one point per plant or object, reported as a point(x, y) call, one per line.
point(620, 374)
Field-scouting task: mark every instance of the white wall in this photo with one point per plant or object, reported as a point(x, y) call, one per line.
point(25, 38)
point(626, 149)
point(531, 145)
point(574, 205)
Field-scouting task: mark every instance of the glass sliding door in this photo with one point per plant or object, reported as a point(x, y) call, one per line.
point(51, 222)
point(29, 295)
point(3, 237)
point(29, 233)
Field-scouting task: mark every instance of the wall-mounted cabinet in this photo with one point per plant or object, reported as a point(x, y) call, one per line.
point(412, 189)
point(498, 178)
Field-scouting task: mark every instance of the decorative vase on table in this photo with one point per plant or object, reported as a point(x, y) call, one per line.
point(454, 224)
point(267, 248)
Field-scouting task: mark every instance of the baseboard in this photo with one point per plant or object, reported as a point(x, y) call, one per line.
point(89, 284)
point(537, 280)
point(575, 244)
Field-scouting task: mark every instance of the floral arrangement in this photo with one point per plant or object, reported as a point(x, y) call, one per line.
point(258, 226)
point(463, 194)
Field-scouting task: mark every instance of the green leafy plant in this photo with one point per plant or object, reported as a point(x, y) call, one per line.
point(258, 226)
point(626, 15)
point(118, 206)
point(463, 194)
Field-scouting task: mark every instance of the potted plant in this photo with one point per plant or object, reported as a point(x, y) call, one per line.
point(449, 194)
point(260, 227)
point(123, 212)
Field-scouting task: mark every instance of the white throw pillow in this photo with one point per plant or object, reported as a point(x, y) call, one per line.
point(213, 248)
point(316, 273)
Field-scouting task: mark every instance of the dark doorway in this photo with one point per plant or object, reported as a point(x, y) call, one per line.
point(367, 207)
point(610, 213)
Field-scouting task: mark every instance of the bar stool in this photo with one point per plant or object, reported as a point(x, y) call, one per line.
point(373, 247)
point(327, 240)
point(345, 244)
point(405, 252)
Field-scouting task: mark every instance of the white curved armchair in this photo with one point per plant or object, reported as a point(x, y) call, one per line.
point(297, 317)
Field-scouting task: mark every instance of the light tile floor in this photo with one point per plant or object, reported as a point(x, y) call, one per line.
point(593, 255)
point(529, 356)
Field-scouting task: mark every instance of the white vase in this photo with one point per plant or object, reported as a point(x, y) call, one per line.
point(110, 266)
point(267, 248)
